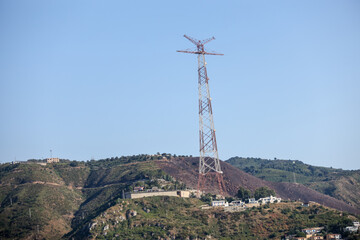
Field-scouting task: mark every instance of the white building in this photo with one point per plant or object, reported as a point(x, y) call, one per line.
point(220, 203)
point(269, 199)
point(351, 229)
point(237, 203)
point(252, 201)
point(312, 231)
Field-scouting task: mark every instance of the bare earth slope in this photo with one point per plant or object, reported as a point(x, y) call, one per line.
point(186, 170)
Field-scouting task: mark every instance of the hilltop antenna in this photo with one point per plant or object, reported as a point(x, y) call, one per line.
point(294, 172)
point(209, 157)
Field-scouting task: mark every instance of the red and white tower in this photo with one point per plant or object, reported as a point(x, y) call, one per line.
point(209, 164)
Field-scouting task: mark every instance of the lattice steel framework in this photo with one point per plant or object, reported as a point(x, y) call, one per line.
point(209, 157)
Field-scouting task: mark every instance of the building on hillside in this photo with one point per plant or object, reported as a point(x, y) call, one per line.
point(142, 194)
point(52, 160)
point(237, 203)
point(219, 203)
point(333, 236)
point(138, 189)
point(351, 229)
point(269, 199)
point(252, 201)
point(312, 231)
point(316, 238)
point(187, 193)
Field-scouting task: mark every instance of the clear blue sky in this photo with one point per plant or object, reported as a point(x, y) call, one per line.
point(103, 78)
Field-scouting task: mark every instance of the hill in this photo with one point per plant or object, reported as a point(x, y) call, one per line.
point(340, 184)
point(32, 197)
point(49, 201)
point(185, 170)
point(178, 218)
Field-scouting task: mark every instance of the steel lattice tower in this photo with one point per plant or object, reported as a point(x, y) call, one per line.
point(209, 164)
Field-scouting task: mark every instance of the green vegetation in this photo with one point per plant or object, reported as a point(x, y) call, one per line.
point(283, 170)
point(177, 218)
point(28, 206)
point(261, 192)
point(64, 195)
point(244, 194)
point(53, 200)
point(338, 183)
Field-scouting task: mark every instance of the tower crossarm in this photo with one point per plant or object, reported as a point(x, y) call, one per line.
point(197, 52)
point(203, 42)
point(193, 40)
point(200, 49)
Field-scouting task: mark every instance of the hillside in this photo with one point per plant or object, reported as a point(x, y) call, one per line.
point(177, 218)
point(49, 201)
point(185, 170)
point(32, 195)
point(340, 184)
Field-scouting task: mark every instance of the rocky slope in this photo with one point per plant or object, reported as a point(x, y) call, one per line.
point(177, 218)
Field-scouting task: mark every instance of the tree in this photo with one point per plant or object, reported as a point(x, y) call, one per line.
point(229, 199)
point(263, 192)
point(74, 164)
point(243, 193)
point(206, 198)
point(300, 234)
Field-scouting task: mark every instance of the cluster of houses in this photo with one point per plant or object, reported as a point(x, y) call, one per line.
point(354, 228)
point(315, 233)
point(40, 162)
point(310, 233)
point(251, 202)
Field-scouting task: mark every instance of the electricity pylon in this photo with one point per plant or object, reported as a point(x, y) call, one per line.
point(209, 158)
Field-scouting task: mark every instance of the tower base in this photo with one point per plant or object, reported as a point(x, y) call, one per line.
point(213, 179)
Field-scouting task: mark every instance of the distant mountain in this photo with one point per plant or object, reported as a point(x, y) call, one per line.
point(340, 184)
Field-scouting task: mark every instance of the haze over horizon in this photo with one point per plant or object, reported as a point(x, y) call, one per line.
point(92, 79)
